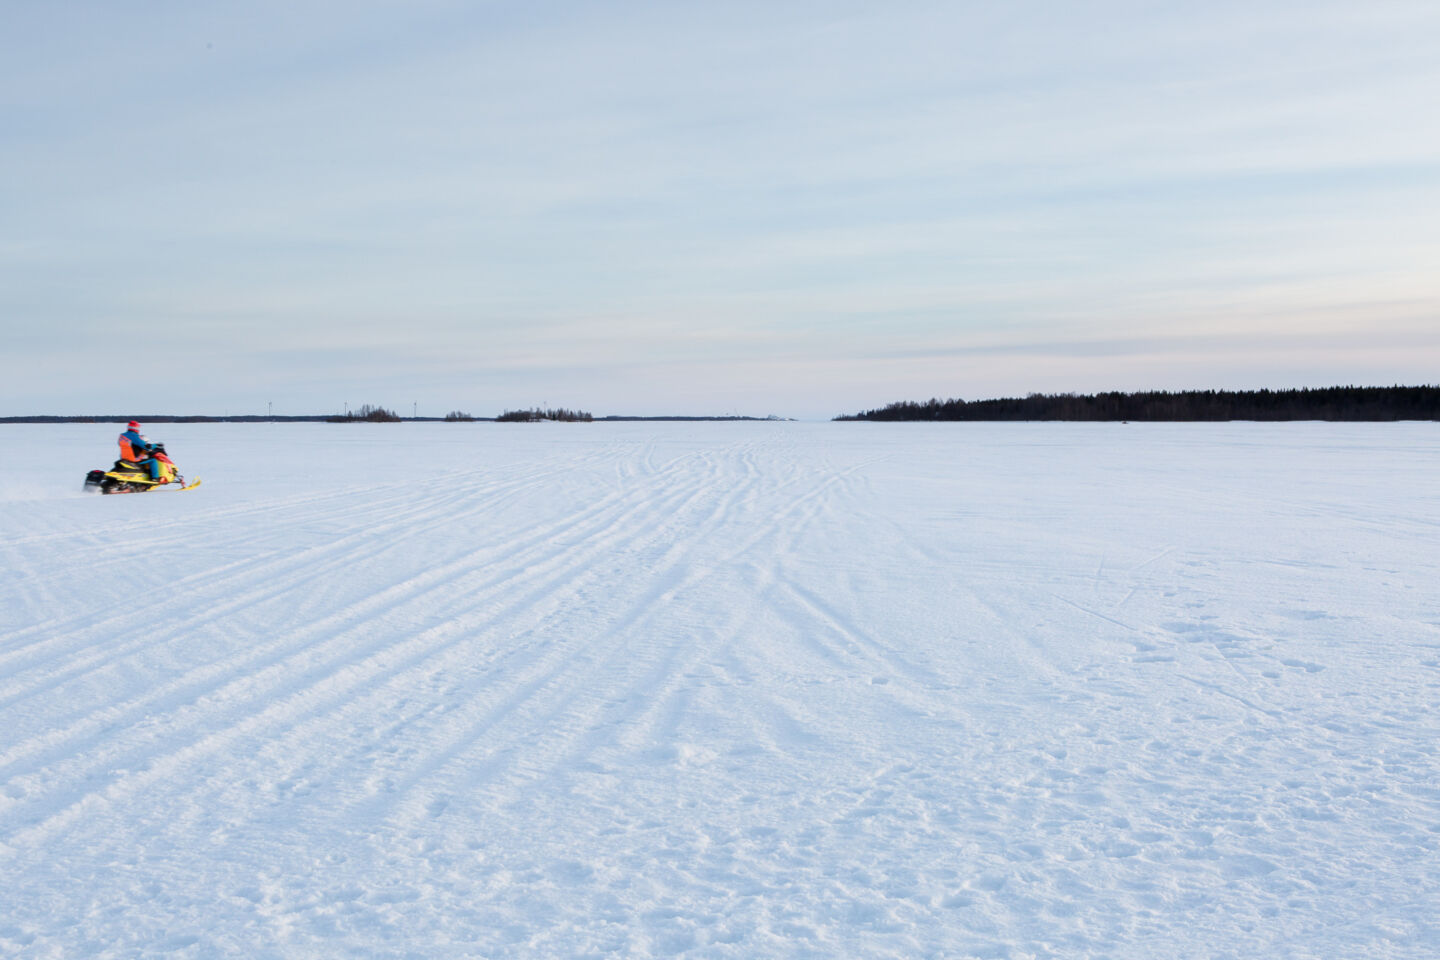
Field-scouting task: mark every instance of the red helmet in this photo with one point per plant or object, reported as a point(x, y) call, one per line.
point(133, 425)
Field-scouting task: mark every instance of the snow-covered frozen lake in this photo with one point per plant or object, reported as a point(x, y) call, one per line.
point(724, 690)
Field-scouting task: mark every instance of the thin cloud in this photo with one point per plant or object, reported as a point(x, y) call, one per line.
point(322, 195)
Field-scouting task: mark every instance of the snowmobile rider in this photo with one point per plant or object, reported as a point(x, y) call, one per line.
point(135, 449)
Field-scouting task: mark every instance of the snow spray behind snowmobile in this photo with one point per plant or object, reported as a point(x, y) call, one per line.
point(127, 477)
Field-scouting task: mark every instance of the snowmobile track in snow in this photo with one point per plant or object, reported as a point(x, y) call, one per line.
point(731, 690)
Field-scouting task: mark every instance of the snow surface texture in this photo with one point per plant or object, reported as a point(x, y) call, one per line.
point(725, 690)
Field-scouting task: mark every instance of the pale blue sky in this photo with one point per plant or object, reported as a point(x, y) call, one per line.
point(792, 208)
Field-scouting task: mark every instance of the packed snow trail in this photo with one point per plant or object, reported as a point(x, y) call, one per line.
point(726, 690)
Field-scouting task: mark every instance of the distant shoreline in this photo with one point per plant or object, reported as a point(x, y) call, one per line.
point(1334, 404)
point(334, 418)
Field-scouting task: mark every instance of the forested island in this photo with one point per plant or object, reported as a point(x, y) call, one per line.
point(1324, 403)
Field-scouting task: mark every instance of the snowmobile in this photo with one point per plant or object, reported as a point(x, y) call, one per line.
point(127, 477)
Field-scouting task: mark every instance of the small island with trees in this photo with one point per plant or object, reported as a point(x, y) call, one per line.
point(537, 415)
point(366, 414)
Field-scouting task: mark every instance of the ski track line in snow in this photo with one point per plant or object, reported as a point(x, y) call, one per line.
point(827, 632)
point(664, 578)
point(223, 575)
point(547, 690)
point(274, 576)
point(630, 693)
point(872, 657)
point(342, 503)
point(526, 605)
point(563, 683)
point(392, 596)
point(273, 572)
point(662, 694)
point(345, 507)
point(291, 690)
point(664, 688)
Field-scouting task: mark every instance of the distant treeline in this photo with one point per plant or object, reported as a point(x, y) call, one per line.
point(1325, 403)
point(171, 418)
point(732, 417)
point(455, 416)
